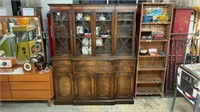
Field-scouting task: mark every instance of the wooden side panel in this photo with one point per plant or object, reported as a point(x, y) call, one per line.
point(30, 85)
point(31, 94)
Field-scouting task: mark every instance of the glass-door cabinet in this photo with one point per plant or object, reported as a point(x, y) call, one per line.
point(82, 32)
point(125, 31)
point(104, 26)
point(62, 34)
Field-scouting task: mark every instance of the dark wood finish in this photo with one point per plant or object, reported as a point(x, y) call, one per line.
point(104, 89)
point(63, 86)
point(150, 74)
point(84, 86)
point(103, 76)
point(124, 86)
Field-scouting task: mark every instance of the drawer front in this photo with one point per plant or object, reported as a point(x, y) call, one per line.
point(3, 77)
point(104, 63)
point(41, 77)
point(5, 95)
point(62, 69)
point(84, 63)
point(4, 86)
point(31, 94)
point(125, 69)
point(62, 63)
point(104, 69)
point(30, 85)
point(85, 69)
point(124, 62)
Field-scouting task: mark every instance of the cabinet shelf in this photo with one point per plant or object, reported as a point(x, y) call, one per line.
point(156, 23)
point(103, 20)
point(124, 37)
point(61, 21)
point(82, 21)
point(125, 20)
point(165, 40)
point(150, 68)
point(149, 81)
point(148, 91)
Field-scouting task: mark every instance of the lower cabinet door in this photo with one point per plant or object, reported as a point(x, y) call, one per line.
point(104, 89)
point(124, 85)
point(84, 86)
point(63, 86)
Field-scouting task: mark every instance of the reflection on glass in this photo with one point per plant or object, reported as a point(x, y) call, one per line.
point(20, 37)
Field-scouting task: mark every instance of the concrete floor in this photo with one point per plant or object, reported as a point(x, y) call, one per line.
point(142, 104)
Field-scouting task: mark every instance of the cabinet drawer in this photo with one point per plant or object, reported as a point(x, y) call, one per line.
point(125, 69)
point(5, 95)
point(3, 77)
point(30, 85)
point(104, 63)
point(104, 69)
point(124, 62)
point(84, 63)
point(85, 69)
point(62, 63)
point(45, 77)
point(31, 94)
point(4, 86)
point(62, 69)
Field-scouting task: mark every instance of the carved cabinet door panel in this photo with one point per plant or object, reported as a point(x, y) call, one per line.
point(104, 88)
point(84, 86)
point(124, 85)
point(63, 86)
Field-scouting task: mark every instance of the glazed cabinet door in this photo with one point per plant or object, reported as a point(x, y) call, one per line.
point(62, 32)
point(124, 85)
point(125, 30)
point(104, 32)
point(104, 89)
point(63, 86)
point(82, 31)
point(84, 86)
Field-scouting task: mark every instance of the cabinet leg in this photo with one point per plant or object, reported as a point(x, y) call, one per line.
point(49, 102)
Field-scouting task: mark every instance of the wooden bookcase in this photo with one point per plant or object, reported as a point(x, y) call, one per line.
point(94, 60)
point(151, 65)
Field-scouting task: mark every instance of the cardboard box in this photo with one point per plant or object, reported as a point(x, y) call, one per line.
point(26, 49)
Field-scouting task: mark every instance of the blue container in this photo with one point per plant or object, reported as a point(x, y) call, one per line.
point(147, 19)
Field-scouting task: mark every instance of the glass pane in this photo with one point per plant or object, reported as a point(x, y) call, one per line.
point(124, 32)
point(103, 33)
point(62, 33)
point(83, 33)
